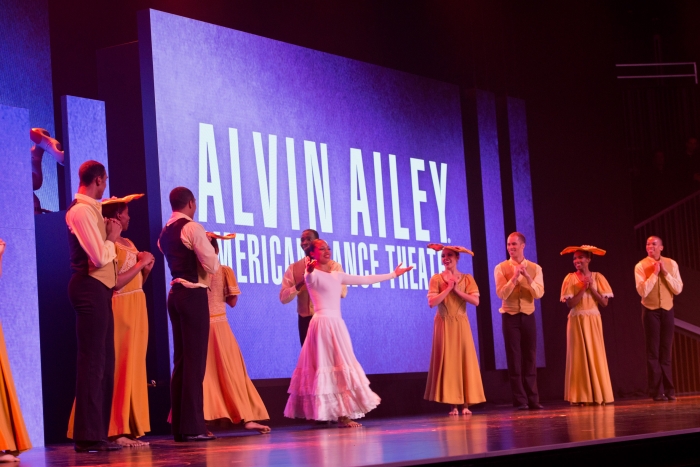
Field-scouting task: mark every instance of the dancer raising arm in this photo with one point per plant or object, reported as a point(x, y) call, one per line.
point(328, 382)
point(454, 376)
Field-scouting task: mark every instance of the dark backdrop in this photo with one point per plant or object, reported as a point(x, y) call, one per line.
point(558, 57)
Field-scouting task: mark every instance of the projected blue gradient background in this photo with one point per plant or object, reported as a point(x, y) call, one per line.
point(25, 76)
point(262, 131)
point(19, 306)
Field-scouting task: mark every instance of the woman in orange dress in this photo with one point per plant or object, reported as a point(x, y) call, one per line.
point(587, 379)
point(454, 377)
point(129, 418)
point(228, 391)
point(13, 432)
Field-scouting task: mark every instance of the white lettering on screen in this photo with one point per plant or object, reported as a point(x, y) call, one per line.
point(240, 217)
point(315, 186)
point(209, 164)
point(419, 196)
point(267, 179)
point(399, 231)
point(358, 194)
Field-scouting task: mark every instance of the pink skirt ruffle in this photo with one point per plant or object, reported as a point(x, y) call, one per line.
point(328, 382)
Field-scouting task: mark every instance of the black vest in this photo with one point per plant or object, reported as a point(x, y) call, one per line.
point(181, 260)
point(78, 258)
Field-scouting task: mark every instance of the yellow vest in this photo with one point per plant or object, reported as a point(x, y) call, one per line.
point(521, 299)
point(660, 296)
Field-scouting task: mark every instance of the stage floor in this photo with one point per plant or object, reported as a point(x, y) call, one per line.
point(488, 433)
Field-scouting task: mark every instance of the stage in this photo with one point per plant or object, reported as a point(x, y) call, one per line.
point(630, 431)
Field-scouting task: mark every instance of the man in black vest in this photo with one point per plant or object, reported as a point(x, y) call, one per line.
point(92, 255)
point(191, 258)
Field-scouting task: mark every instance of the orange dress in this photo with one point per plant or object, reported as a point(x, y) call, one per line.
point(454, 376)
point(228, 391)
point(13, 432)
point(130, 398)
point(129, 414)
point(587, 377)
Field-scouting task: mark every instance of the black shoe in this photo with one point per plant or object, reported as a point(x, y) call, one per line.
point(536, 406)
point(193, 438)
point(96, 446)
point(661, 398)
point(672, 398)
point(522, 407)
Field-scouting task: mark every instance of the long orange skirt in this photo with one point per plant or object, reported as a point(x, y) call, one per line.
point(454, 376)
point(228, 391)
point(587, 377)
point(13, 432)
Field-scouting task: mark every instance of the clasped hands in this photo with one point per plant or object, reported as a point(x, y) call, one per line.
point(113, 228)
point(589, 283)
point(520, 270)
point(147, 259)
point(660, 268)
point(448, 277)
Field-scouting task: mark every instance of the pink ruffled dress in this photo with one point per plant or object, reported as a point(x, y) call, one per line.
point(328, 382)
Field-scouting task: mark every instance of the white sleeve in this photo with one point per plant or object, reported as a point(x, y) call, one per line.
point(350, 279)
point(289, 288)
point(195, 238)
point(83, 224)
point(537, 285)
point(644, 284)
point(673, 279)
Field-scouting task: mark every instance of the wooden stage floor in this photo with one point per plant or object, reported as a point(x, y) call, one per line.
point(483, 437)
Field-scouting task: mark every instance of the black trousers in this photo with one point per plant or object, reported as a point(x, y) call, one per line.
point(189, 316)
point(303, 327)
point(94, 329)
point(659, 326)
point(520, 337)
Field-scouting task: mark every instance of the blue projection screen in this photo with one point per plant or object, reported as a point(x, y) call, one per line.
point(84, 138)
point(19, 306)
point(274, 138)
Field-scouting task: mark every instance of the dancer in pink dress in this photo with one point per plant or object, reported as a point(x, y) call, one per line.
point(328, 382)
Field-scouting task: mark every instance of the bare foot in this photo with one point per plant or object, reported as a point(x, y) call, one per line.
point(129, 442)
point(466, 411)
point(263, 429)
point(345, 422)
point(454, 411)
point(8, 458)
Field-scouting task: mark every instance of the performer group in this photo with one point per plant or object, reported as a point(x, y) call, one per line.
point(209, 379)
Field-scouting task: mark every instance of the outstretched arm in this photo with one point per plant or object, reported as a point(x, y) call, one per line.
point(350, 279)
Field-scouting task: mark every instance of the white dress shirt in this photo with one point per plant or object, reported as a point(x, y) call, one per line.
point(646, 284)
point(82, 220)
point(194, 237)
